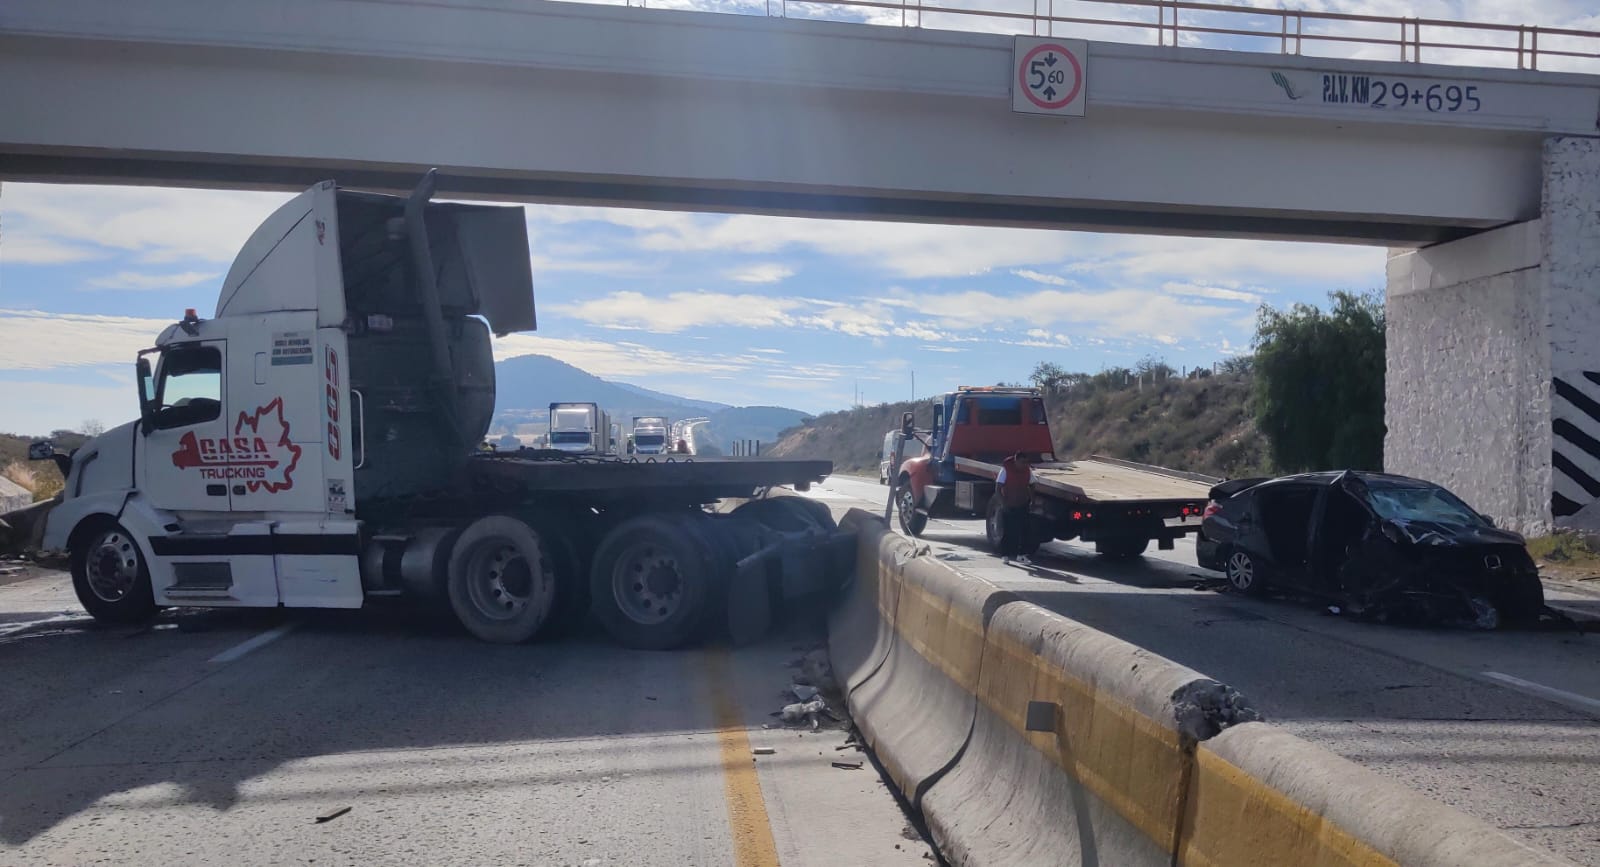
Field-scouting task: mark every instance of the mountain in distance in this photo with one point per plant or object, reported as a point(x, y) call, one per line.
point(525, 387)
point(705, 406)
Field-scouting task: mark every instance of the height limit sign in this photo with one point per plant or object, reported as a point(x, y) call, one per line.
point(1049, 76)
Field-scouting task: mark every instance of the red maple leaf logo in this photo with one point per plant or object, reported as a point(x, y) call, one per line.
point(267, 423)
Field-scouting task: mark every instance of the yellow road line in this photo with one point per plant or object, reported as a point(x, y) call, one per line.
point(748, 823)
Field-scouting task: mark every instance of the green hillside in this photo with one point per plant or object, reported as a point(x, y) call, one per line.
point(1200, 423)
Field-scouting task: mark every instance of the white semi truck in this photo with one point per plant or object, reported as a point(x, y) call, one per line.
point(650, 435)
point(315, 444)
point(580, 429)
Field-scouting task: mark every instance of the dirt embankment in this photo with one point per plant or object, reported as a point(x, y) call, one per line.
point(1201, 424)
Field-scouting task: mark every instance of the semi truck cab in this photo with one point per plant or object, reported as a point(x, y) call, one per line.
point(318, 380)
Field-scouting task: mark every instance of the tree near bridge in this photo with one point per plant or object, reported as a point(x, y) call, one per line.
point(1319, 383)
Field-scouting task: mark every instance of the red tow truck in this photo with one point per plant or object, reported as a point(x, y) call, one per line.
point(1118, 505)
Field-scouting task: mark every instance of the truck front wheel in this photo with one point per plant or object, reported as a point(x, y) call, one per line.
point(652, 583)
point(502, 582)
point(912, 522)
point(110, 576)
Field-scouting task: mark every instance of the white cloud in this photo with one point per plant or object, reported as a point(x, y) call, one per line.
point(767, 351)
point(1115, 312)
point(33, 249)
point(615, 359)
point(770, 272)
point(35, 340)
point(1041, 277)
point(137, 281)
point(158, 225)
point(682, 310)
point(1216, 293)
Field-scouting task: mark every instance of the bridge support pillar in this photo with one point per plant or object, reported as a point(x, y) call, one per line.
point(1493, 383)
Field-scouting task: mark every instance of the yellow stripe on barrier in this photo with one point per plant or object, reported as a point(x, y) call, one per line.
point(1234, 818)
point(1126, 759)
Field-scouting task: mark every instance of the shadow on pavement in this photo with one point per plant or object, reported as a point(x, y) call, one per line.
point(92, 712)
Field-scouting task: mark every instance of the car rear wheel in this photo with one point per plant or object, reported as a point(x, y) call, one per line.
point(1243, 574)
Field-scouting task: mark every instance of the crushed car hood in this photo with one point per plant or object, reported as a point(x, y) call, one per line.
point(1455, 535)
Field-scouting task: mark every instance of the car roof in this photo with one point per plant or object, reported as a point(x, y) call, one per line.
point(1327, 476)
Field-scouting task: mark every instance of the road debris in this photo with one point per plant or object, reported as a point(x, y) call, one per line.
point(332, 814)
point(764, 751)
point(802, 712)
point(847, 766)
point(803, 692)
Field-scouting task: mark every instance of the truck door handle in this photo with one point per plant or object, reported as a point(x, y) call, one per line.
point(216, 490)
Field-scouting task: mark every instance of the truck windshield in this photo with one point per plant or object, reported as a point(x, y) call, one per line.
point(568, 437)
point(649, 439)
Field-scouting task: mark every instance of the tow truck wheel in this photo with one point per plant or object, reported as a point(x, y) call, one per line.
point(502, 581)
point(110, 577)
point(1121, 547)
point(651, 583)
point(912, 522)
point(996, 528)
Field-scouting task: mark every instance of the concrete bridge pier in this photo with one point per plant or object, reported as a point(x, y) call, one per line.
point(1493, 383)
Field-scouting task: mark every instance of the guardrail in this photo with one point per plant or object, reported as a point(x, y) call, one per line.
point(1213, 25)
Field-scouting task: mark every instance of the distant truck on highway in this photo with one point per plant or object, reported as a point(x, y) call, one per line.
point(316, 444)
point(650, 435)
point(1119, 506)
point(580, 428)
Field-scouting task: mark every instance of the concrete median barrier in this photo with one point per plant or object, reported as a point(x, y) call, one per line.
point(1026, 738)
point(1259, 795)
point(861, 625)
point(917, 709)
point(1103, 783)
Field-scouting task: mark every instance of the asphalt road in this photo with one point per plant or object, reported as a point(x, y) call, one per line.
point(1502, 725)
point(220, 737)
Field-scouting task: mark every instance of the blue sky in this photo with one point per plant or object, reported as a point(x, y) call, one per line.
point(739, 309)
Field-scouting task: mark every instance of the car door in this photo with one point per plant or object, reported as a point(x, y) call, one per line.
point(1285, 518)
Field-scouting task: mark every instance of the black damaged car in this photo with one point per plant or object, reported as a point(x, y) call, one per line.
point(1382, 546)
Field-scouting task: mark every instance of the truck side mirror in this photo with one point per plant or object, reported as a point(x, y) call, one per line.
point(908, 424)
point(43, 450)
point(146, 395)
point(1488, 519)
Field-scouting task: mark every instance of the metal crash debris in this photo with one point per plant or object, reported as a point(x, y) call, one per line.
point(1379, 546)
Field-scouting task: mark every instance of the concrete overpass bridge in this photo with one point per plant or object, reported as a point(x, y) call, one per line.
point(1494, 384)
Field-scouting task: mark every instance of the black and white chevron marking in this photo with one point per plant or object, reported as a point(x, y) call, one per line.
point(1576, 458)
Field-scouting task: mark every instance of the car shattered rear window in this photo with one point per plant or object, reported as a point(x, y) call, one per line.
point(1421, 504)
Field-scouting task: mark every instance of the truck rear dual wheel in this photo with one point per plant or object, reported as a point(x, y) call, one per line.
point(654, 581)
point(109, 574)
point(999, 530)
point(1121, 547)
point(502, 580)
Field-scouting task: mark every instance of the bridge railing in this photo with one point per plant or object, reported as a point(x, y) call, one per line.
point(1208, 25)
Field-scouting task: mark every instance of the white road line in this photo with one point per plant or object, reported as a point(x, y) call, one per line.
point(255, 643)
point(1570, 699)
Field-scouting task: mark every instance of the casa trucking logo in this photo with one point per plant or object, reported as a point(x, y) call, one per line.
point(259, 453)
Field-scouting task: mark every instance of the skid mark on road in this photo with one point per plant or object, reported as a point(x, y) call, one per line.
point(748, 823)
